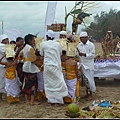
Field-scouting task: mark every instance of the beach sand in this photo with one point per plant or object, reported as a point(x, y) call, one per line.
point(107, 89)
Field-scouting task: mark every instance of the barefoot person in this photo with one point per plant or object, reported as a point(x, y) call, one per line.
point(18, 48)
point(86, 51)
point(3, 40)
point(54, 83)
point(30, 70)
point(12, 82)
point(71, 69)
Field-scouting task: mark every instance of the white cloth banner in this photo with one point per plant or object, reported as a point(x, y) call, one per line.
point(50, 15)
point(107, 69)
point(110, 69)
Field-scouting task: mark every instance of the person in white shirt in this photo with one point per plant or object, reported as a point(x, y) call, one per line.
point(30, 70)
point(86, 52)
point(54, 83)
point(3, 40)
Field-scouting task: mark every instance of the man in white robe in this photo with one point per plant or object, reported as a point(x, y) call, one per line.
point(3, 40)
point(86, 52)
point(55, 86)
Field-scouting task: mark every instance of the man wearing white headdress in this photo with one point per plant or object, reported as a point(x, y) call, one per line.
point(63, 34)
point(3, 40)
point(55, 86)
point(86, 52)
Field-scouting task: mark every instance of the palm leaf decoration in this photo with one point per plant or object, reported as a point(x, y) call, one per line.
point(77, 11)
point(80, 12)
point(78, 3)
point(83, 15)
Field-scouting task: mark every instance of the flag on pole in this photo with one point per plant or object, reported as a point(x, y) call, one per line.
point(50, 15)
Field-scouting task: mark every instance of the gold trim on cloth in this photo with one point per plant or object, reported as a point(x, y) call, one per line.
point(38, 42)
point(71, 49)
point(10, 50)
point(63, 43)
point(26, 59)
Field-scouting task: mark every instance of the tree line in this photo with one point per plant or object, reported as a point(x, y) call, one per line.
point(104, 22)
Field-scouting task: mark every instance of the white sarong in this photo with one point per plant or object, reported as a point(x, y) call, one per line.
point(2, 80)
point(71, 84)
point(89, 74)
point(40, 81)
point(13, 87)
point(54, 83)
point(64, 75)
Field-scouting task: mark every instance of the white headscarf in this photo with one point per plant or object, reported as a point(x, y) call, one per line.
point(63, 32)
point(50, 33)
point(83, 34)
point(2, 37)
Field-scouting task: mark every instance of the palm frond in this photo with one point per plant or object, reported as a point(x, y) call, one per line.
point(77, 11)
point(78, 3)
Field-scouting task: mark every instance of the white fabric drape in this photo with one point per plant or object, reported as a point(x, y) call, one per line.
point(55, 86)
point(107, 69)
point(2, 69)
point(13, 87)
point(2, 80)
point(50, 15)
point(40, 81)
point(89, 74)
point(71, 85)
point(28, 66)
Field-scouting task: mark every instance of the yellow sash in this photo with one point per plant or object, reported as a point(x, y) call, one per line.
point(26, 59)
point(11, 72)
point(70, 72)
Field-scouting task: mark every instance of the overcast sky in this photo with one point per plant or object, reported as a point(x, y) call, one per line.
point(30, 16)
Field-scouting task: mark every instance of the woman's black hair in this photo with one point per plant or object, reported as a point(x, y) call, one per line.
point(18, 39)
point(10, 58)
point(63, 52)
point(28, 38)
point(12, 42)
point(50, 38)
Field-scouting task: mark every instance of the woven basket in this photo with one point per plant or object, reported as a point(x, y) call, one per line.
point(72, 115)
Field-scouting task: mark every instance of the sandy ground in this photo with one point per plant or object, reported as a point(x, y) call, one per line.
point(106, 89)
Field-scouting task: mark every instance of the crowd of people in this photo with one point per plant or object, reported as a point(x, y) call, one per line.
point(48, 73)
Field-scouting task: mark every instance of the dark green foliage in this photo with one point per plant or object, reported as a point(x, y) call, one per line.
point(104, 22)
